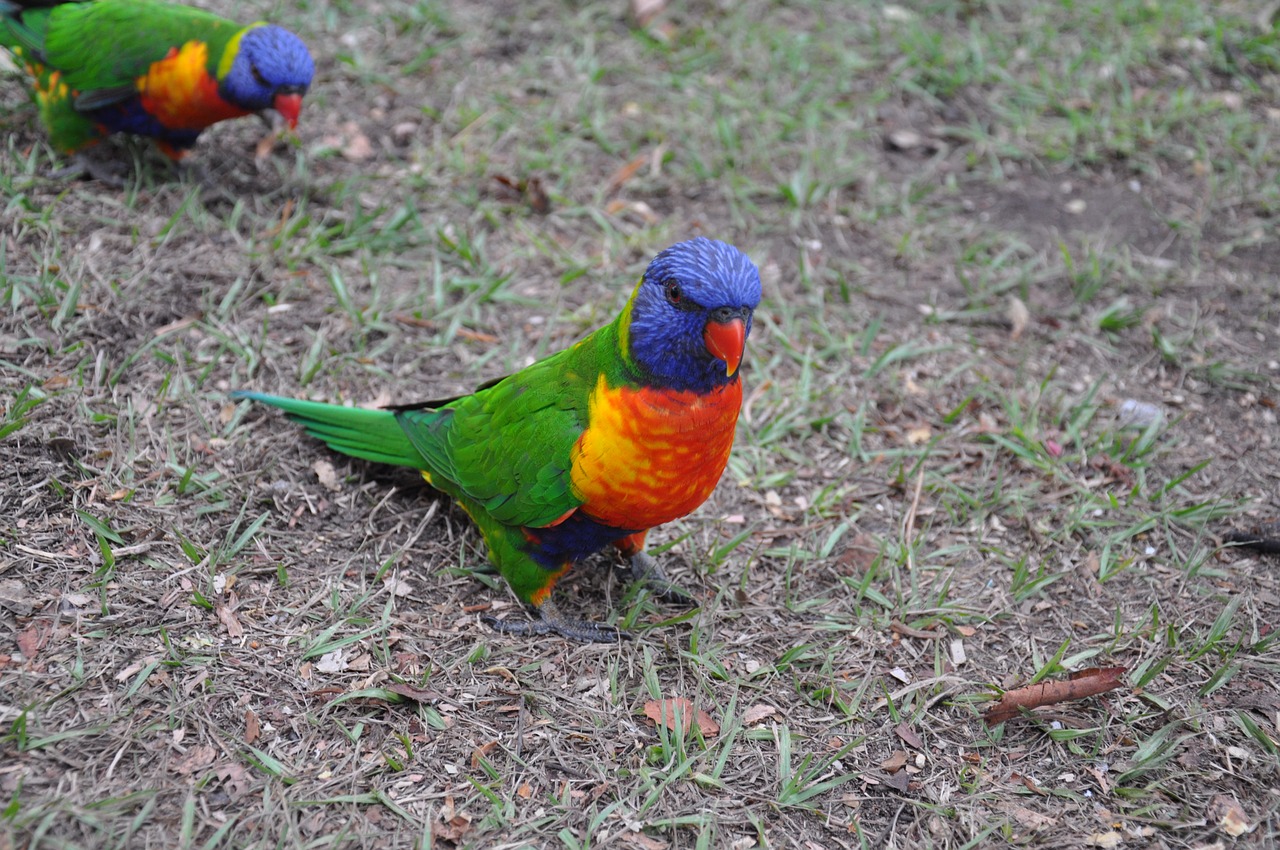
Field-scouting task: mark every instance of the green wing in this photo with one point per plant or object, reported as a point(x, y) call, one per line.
point(102, 47)
point(508, 448)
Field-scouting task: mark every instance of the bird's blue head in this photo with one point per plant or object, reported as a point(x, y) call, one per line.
point(691, 315)
point(270, 69)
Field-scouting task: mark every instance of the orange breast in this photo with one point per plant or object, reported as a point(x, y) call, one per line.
point(180, 94)
point(651, 456)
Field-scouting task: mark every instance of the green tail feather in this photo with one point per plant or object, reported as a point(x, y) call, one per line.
point(369, 434)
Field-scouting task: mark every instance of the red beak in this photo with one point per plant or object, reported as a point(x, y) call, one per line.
point(290, 107)
point(727, 341)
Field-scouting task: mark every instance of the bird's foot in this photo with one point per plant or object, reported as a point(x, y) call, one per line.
point(107, 171)
point(549, 621)
point(645, 570)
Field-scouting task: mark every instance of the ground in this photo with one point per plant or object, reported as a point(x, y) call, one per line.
point(1012, 383)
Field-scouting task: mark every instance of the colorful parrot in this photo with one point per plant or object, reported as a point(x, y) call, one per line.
point(628, 429)
point(150, 68)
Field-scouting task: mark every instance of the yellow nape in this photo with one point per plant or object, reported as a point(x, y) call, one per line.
point(232, 49)
point(624, 324)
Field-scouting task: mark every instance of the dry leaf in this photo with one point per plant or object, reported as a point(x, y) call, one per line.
point(327, 475)
point(664, 713)
point(195, 759)
point(452, 830)
point(626, 172)
point(1085, 683)
point(644, 11)
point(479, 753)
point(29, 642)
point(425, 695)
point(229, 621)
point(331, 662)
point(1019, 316)
point(895, 762)
point(1229, 816)
point(15, 596)
point(644, 842)
point(235, 780)
point(1030, 784)
point(1029, 819)
point(1106, 840)
point(357, 147)
point(757, 713)
point(525, 791)
point(530, 191)
point(916, 436)
point(908, 736)
point(263, 148)
point(252, 728)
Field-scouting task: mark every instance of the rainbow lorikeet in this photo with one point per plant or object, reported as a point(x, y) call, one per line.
point(627, 429)
point(150, 68)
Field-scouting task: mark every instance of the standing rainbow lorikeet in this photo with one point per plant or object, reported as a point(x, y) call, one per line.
point(150, 68)
point(629, 428)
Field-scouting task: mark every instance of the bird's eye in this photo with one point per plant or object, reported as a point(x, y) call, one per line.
point(672, 290)
point(257, 75)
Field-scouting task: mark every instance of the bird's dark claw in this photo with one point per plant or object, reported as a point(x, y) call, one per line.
point(645, 570)
point(548, 621)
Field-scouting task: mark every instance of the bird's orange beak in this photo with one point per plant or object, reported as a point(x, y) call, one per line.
point(290, 107)
point(727, 341)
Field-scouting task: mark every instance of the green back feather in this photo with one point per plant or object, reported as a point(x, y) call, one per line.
point(506, 449)
point(108, 44)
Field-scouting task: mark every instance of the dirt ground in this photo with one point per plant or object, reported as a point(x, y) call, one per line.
point(1013, 383)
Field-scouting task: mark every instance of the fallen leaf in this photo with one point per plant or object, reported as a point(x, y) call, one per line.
point(916, 436)
point(1229, 816)
point(252, 728)
point(899, 781)
point(478, 755)
point(327, 475)
point(29, 642)
point(626, 172)
point(357, 147)
point(909, 736)
point(331, 662)
point(757, 713)
point(644, 842)
point(452, 830)
point(1085, 683)
point(895, 762)
point(263, 148)
point(644, 11)
point(194, 759)
point(530, 191)
point(229, 621)
point(664, 713)
point(235, 780)
point(1030, 784)
point(1029, 819)
point(412, 692)
point(15, 596)
point(1019, 317)
point(525, 791)
point(1106, 840)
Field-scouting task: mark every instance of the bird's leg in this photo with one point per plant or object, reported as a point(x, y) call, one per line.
point(548, 620)
point(645, 570)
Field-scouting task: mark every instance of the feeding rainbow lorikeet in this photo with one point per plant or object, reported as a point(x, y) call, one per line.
point(150, 68)
point(627, 429)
